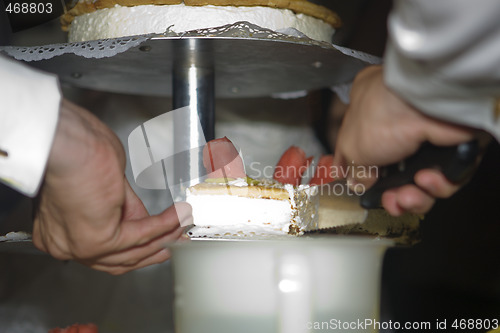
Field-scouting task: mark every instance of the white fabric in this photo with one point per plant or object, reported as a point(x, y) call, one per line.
point(29, 108)
point(443, 57)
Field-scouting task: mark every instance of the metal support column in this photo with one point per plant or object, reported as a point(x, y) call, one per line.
point(194, 86)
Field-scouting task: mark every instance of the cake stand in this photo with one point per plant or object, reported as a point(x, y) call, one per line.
point(237, 60)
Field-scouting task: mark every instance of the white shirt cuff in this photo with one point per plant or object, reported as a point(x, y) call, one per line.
point(427, 91)
point(29, 110)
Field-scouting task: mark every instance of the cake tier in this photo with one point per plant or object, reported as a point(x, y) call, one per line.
point(120, 21)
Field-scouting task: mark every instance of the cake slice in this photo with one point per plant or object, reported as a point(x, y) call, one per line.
point(229, 204)
point(245, 207)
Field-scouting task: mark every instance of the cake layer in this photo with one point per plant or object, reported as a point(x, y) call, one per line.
point(297, 6)
point(256, 192)
point(238, 211)
point(120, 21)
point(238, 204)
point(239, 208)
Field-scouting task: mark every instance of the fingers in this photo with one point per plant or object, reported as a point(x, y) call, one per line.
point(46, 242)
point(446, 134)
point(136, 245)
point(159, 257)
point(133, 208)
point(136, 255)
point(184, 212)
point(419, 198)
point(408, 198)
point(156, 258)
point(138, 232)
point(434, 183)
point(139, 244)
point(221, 159)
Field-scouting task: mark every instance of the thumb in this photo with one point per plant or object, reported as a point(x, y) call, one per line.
point(133, 208)
point(442, 133)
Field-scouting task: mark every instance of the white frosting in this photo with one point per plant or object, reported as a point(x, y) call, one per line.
point(239, 212)
point(128, 21)
point(230, 216)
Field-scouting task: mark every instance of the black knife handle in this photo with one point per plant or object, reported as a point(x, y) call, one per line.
point(456, 163)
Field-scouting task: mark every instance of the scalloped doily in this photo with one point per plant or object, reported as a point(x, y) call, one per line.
point(109, 47)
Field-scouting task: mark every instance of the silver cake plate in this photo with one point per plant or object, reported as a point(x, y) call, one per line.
point(248, 61)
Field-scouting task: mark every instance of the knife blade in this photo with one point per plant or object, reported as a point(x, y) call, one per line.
point(339, 205)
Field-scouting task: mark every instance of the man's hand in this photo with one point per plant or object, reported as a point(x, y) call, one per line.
point(381, 129)
point(87, 210)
